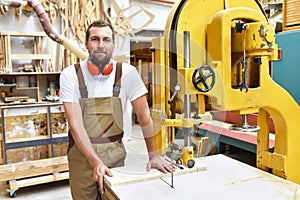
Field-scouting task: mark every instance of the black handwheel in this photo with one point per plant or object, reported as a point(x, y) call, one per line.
point(190, 163)
point(204, 76)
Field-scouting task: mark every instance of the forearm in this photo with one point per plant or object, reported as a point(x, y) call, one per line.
point(142, 111)
point(148, 136)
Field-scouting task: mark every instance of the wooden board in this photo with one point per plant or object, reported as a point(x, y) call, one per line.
point(225, 178)
point(33, 168)
point(125, 175)
point(19, 98)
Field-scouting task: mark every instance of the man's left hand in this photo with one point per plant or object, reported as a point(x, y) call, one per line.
point(161, 165)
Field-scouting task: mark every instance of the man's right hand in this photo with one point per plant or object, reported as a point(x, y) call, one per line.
point(98, 175)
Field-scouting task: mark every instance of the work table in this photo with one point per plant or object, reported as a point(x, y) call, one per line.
point(223, 178)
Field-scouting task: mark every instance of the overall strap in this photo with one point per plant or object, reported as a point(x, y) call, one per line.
point(82, 86)
point(117, 84)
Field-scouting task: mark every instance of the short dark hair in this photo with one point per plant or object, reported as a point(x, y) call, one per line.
point(99, 23)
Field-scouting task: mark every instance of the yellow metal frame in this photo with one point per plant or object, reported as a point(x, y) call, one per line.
point(213, 42)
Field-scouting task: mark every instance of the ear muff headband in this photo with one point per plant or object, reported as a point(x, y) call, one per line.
point(95, 71)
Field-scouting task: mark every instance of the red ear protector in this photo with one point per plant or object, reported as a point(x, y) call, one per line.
point(95, 70)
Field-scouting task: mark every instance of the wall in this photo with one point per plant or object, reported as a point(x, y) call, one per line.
point(10, 23)
point(159, 10)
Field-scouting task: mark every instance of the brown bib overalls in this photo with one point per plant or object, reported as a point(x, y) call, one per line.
point(103, 121)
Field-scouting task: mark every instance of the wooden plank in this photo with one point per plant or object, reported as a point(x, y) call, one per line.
point(123, 175)
point(39, 137)
point(16, 184)
point(33, 168)
point(30, 56)
point(18, 98)
point(203, 145)
point(28, 34)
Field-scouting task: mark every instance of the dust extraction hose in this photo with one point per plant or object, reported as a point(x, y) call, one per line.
point(45, 22)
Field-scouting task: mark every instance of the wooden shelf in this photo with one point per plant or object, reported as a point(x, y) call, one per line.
point(60, 135)
point(28, 73)
point(8, 85)
point(40, 137)
point(28, 34)
point(30, 56)
point(27, 88)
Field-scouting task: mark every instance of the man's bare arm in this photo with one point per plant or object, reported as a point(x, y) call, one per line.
point(141, 108)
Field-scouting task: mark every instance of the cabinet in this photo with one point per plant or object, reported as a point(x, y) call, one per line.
point(33, 145)
point(33, 132)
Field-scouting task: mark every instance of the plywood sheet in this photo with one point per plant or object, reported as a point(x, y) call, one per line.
point(127, 175)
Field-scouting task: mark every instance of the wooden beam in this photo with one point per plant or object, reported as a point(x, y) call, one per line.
point(33, 168)
point(16, 184)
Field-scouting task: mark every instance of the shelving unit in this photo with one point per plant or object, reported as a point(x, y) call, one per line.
point(26, 68)
point(33, 145)
point(37, 42)
point(21, 137)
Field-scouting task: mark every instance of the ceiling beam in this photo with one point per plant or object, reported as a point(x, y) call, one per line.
point(164, 1)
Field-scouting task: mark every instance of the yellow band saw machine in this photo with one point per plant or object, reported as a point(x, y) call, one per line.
point(216, 55)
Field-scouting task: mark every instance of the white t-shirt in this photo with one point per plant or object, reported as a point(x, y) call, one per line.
point(132, 87)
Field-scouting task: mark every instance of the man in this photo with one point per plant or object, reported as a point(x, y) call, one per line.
point(93, 93)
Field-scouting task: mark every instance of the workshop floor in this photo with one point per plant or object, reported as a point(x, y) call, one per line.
point(51, 191)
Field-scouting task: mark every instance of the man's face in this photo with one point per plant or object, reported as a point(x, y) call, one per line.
point(100, 44)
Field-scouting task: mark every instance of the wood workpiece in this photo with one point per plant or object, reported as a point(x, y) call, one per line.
point(213, 177)
point(125, 175)
point(136, 160)
point(225, 178)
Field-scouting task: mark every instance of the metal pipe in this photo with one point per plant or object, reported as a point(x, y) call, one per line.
point(70, 45)
point(45, 22)
point(186, 66)
point(187, 102)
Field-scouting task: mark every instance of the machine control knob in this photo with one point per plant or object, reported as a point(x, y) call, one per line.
point(190, 163)
point(204, 78)
point(177, 89)
point(151, 49)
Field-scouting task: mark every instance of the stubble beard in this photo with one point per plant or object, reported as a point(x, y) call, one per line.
point(99, 62)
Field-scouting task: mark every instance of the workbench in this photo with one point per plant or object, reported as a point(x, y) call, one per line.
point(223, 178)
point(219, 132)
